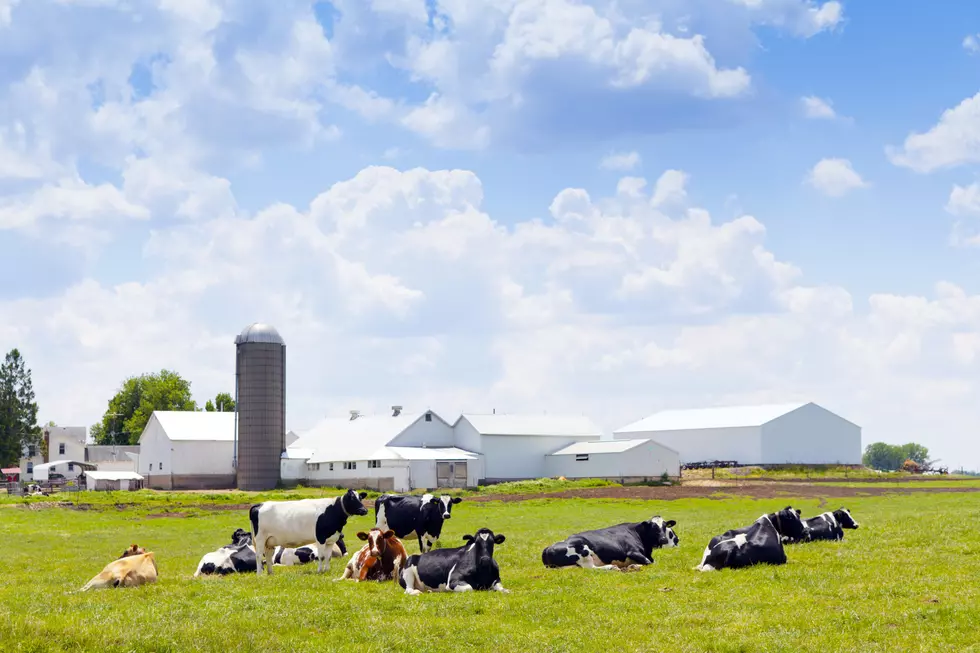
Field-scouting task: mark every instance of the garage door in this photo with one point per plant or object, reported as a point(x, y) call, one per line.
point(451, 474)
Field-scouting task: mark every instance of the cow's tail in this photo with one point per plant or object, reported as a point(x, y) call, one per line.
point(253, 517)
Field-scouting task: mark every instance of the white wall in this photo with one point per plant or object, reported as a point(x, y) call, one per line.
point(193, 457)
point(292, 469)
point(120, 465)
point(73, 437)
point(424, 473)
point(811, 435)
point(396, 469)
point(742, 444)
point(425, 434)
point(466, 437)
point(154, 449)
point(521, 456)
point(649, 460)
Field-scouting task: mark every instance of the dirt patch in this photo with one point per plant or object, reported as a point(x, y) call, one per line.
point(159, 515)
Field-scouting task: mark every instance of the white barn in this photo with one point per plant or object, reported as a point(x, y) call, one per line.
point(777, 434)
point(625, 461)
point(515, 446)
point(187, 450)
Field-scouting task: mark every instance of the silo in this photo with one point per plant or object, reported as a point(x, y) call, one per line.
point(260, 406)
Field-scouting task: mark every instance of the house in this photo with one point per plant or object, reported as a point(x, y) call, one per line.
point(515, 447)
point(801, 433)
point(187, 450)
point(623, 461)
point(393, 453)
point(57, 443)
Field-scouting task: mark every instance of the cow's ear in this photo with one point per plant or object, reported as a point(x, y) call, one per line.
point(456, 500)
point(798, 512)
point(670, 524)
point(467, 538)
point(389, 534)
point(499, 539)
point(362, 535)
point(362, 495)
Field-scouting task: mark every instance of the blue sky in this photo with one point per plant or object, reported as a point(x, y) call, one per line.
point(527, 205)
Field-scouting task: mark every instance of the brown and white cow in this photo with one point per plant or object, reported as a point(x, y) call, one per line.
point(134, 568)
point(380, 558)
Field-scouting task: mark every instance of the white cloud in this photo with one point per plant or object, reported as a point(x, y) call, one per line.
point(971, 44)
point(964, 203)
point(805, 18)
point(620, 161)
point(817, 108)
point(953, 141)
point(835, 177)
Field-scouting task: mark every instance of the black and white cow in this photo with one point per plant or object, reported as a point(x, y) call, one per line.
point(624, 546)
point(237, 557)
point(760, 542)
point(288, 557)
point(294, 523)
point(411, 516)
point(463, 569)
point(828, 526)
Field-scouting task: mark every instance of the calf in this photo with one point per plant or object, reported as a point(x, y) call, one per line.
point(829, 526)
point(409, 516)
point(623, 546)
point(302, 555)
point(381, 558)
point(293, 523)
point(237, 557)
point(469, 567)
point(134, 568)
point(760, 542)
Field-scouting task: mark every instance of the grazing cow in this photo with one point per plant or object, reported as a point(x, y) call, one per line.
point(462, 569)
point(293, 523)
point(760, 542)
point(623, 546)
point(409, 516)
point(829, 526)
point(381, 558)
point(134, 568)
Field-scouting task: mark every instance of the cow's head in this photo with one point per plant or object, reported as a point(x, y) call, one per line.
point(241, 537)
point(445, 503)
point(672, 539)
point(789, 524)
point(377, 540)
point(352, 504)
point(843, 517)
point(133, 550)
point(481, 544)
point(653, 532)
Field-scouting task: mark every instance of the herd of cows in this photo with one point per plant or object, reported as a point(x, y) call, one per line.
point(285, 533)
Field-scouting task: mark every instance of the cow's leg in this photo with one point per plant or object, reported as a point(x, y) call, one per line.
point(422, 548)
point(411, 578)
point(366, 567)
point(459, 586)
point(639, 558)
point(498, 587)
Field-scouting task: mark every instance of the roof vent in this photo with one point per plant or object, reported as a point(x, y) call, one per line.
point(354, 414)
point(396, 411)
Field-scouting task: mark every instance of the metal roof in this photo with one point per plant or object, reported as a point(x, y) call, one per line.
point(718, 417)
point(536, 425)
point(433, 453)
point(195, 425)
point(602, 446)
point(53, 463)
point(259, 332)
point(336, 439)
point(113, 476)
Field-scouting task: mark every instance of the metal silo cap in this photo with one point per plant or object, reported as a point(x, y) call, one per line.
point(259, 332)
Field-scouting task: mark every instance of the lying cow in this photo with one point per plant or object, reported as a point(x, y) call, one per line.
point(411, 516)
point(469, 567)
point(829, 525)
point(623, 546)
point(133, 568)
point(239, 556)
point(381, 558)
point(760, 542)
point(288, 557)
point(293, 523)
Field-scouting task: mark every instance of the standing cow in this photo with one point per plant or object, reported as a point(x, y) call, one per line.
point(758, 543)
point(412, 516)
point(293, 523)
point(381, 558)
point(463, 569)
point(623, 546)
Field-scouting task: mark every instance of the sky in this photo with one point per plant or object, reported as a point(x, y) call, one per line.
point(606, 207)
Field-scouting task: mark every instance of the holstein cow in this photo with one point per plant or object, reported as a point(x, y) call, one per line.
point(411, 516)
point(288, 557)
point(134, 568)
point(469, 567)
point(239, 556)
point(292, 523)
point(760, 542)
point(830, 525)
point(623, 546)
point(381, 558)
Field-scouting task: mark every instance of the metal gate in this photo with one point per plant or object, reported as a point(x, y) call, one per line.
point(451, 474)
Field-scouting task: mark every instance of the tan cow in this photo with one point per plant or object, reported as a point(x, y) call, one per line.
point(380, 558)
point(134, 568)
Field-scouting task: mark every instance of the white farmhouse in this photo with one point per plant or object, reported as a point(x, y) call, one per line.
point(625, 461)
point(778, 434)
point(187, 450)
point(65, 444)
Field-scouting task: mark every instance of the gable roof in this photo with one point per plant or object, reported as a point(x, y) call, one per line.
point(604, 446)
point(201, 426)
point(365, 438)
point(536, 425)
point(718, 417)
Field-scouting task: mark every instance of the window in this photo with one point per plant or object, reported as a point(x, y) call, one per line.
point(352, 465)
point(31, 451)
point(151, 467)
point(61, 449)
point(330, 467)
point(30, 467)
point(581, 456)
point(374, 464)
point(160, 466)
point(315, 467)
point(71, 467)
point(428, 417)
point(54, 468)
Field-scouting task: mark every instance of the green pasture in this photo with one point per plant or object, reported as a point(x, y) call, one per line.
point(906, 581)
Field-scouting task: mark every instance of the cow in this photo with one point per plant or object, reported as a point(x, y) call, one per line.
point(411, 516)
point(288, 557)
point(293, 523)
point(381, 558)
point(133, 568)
point(760, 542)
point(829, 525)
point(628, 545)
point(462, 569)
point(239, 556)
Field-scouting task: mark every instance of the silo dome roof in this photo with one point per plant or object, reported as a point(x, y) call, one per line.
point(259, 332)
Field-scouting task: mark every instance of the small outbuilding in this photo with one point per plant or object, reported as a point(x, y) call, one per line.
point(104, 481)
point(188, 450)
point(624, 461)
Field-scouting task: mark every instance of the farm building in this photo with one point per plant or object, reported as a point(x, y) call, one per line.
point(392, 453)
point(624, 461)
point(515, 447)
point(99, 480)
point(779, 434)
point(69, 469)
point(112, 457)
point(58, 443)
point(187, 450)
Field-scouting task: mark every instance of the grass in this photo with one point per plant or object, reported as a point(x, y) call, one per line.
point(905, 581)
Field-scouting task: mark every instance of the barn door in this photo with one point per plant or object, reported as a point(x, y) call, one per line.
point(459, 474)
point(443, 474)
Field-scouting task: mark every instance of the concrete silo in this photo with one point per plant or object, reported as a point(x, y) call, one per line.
point(260, 406)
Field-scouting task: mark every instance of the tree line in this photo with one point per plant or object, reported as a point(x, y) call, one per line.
point(890, 457)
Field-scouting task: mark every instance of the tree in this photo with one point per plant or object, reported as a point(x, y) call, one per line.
point(130, 409)
point(890, 457)
point(222, 402)
point(916, 452)
point(18, 410)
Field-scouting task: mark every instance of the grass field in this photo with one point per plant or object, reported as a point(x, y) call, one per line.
point(906, 581)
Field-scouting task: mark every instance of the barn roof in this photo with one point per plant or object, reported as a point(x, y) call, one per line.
point(336, 439)
point(197, 425)
point(603, 446)
point(433, 453)
point(536, 425)
point(113, 476)
point(718, 417)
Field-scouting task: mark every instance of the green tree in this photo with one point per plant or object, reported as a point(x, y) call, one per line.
point(130, 409)
point(916, 452)
point(18, 410)
point(889, 457)
point(222, 402)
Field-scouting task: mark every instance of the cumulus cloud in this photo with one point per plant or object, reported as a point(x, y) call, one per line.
point(817, 108)
point(951, 142)
point(802, 17)
point(835, 177)
point(964, 203)
point(971, 44)
point(620, 161)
